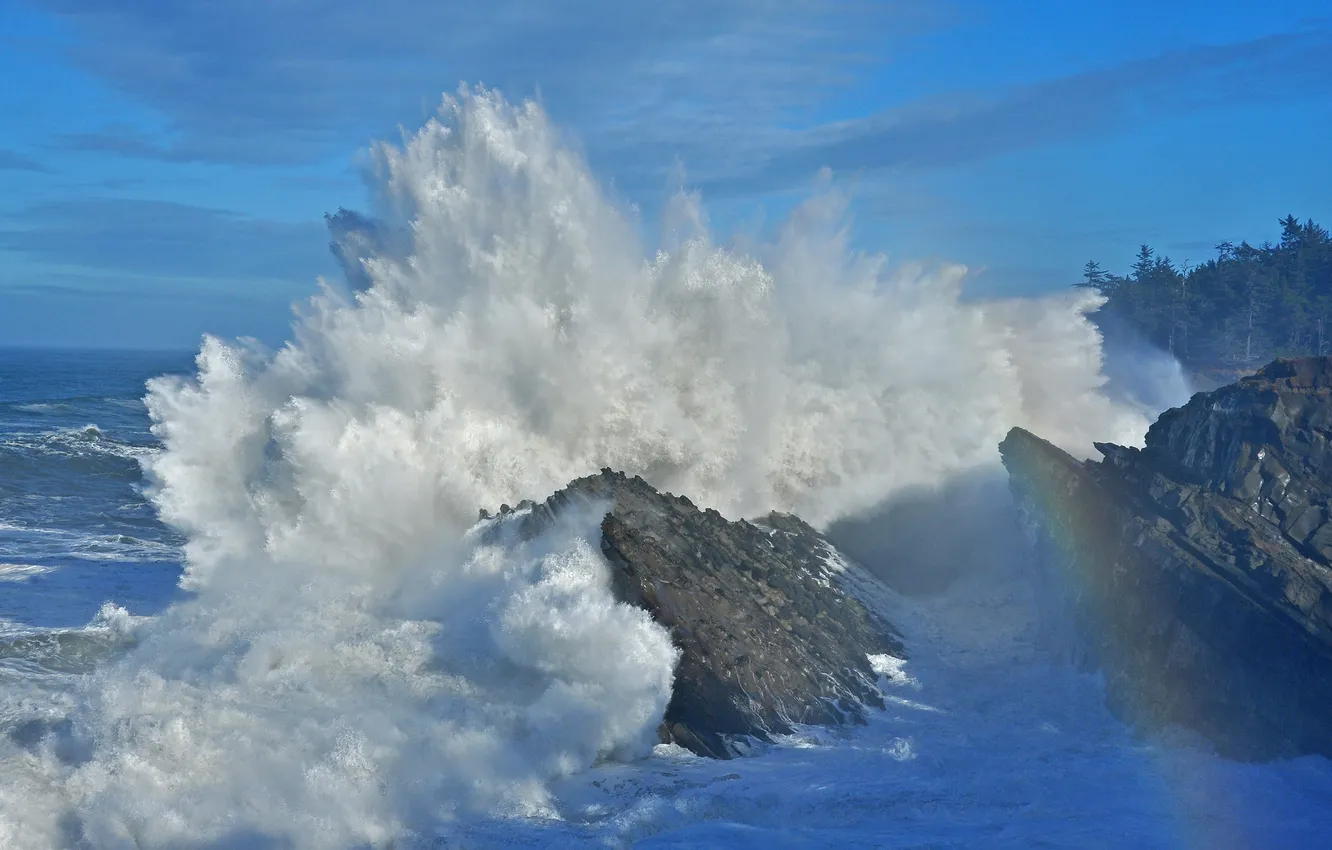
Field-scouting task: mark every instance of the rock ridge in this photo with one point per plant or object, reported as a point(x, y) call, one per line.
point(1199, 568)
point(769, 638)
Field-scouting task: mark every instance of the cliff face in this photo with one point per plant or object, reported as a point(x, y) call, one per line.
point(768, 635)
point(1197, 569)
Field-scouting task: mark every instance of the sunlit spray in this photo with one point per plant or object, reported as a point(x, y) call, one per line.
point(355, 663)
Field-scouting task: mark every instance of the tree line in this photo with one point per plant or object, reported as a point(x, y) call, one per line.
point(1240, 309)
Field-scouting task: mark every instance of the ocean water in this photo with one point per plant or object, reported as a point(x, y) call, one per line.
point(75, 530)
point(246, 605)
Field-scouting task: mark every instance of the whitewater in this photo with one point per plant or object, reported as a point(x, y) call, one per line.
point(341, 659)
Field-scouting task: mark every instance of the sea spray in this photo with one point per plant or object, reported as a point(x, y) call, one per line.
point(336, 710)
point(354, 664)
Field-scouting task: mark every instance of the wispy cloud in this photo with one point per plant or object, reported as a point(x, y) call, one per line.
point(166, 239)
point(125, 142)
point(15, 161)
point(719, 88)
point(253, 80)
point(966, 127)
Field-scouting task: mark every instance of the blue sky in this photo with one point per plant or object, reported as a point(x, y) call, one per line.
point(166, 165)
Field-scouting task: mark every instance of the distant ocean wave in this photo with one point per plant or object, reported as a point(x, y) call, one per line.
point(44, 543)
point(77, 451)
point(27, 529)
point(85, 440)
point(41, 407)
point(123, 547)
point(22, 572)
point(71, 403)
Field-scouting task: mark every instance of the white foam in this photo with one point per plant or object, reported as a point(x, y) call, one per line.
point(22, 572)
point(9, 526)
point(334, 712)
point(117, 620)
point(891, 668)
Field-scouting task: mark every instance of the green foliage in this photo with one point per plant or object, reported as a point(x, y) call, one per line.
point(1242, 308)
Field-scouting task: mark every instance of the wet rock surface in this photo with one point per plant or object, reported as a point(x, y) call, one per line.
point(1198, 569)
point(768, 635)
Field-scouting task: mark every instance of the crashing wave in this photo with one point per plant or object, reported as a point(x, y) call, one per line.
point(353, 666)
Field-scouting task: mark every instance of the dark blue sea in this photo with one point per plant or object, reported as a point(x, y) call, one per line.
point(75, 529)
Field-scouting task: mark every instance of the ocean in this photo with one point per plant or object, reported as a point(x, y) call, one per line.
point(245, 600)
point(75, 529)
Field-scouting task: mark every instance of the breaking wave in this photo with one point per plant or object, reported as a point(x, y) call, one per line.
point(21, 572)
point(356, 662)
point(78, 451)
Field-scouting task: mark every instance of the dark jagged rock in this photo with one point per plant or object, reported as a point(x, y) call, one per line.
point(768, 636)
point(1198, 567)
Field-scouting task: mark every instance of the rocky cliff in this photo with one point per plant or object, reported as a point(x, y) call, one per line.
point(1197, 568)
point(769, 636)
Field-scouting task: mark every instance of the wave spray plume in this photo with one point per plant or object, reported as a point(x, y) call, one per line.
point(354, 664)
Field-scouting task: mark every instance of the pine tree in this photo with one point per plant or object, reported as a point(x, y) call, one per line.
point(1144, 265)
point(1092, 276)
point(1291, 231)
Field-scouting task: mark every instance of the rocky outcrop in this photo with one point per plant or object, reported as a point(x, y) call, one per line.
point(1197, 568)
point(769, 637)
